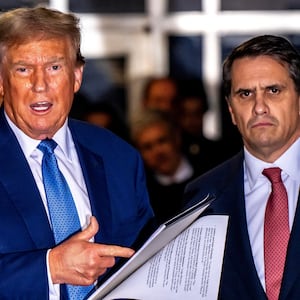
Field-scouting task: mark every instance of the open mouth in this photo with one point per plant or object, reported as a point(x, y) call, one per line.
point(41, 106)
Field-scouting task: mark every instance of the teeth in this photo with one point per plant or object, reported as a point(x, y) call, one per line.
point(40, 106)
point(41, 103)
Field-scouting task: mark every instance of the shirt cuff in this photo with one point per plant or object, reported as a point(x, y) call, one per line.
point(53, 288)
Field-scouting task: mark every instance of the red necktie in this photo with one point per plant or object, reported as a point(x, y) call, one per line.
point(276, 233)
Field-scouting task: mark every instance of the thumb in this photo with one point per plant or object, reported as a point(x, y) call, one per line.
point(90, 231)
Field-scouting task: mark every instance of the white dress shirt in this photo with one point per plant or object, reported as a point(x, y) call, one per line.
point(183, 172)
point(257, 191)
point(69, 165)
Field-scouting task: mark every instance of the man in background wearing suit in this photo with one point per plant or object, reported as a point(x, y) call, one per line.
point(41, 69)
point(168, 171)
point(262, 87)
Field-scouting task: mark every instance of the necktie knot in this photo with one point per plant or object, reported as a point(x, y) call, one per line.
point(273, 174)
point(47, 146)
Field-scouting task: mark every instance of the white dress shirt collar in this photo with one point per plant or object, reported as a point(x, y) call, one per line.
point(183, 172)
point(289, 162)
point(62, 137)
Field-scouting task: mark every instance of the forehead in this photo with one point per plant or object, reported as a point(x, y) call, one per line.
point(260, 68)
point(32, 50)
point(259, 62)
point(157, 126)
point(152, 131)
point(163, 87)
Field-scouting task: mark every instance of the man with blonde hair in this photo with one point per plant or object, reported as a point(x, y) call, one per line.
point(72, 196)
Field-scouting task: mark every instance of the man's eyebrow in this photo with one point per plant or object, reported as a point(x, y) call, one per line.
point(50, 60)
point(242, 90)
point(57, 59)
point(275, 85)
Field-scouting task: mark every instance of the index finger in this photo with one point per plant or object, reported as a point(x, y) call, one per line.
point(112, 250)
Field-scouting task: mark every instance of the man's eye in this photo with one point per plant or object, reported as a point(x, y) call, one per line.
point(21, 69)
point(274, 90)
point(245, 94)
point(55, 67)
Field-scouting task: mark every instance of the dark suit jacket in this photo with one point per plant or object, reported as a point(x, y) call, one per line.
point(116, 187)
point(166, 200)
point(239, 278)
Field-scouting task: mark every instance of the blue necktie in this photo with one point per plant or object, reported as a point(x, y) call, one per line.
point(63, 213)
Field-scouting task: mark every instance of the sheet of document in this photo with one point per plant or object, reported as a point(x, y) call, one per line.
point(189, 267)
point(161, 237)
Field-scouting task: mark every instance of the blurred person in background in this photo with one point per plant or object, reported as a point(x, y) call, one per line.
point(159, 94)
point(167, 169)
point(188, 111)
point(104, 113)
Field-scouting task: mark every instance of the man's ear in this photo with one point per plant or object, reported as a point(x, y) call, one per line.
point(78, 71)
point(1, 90)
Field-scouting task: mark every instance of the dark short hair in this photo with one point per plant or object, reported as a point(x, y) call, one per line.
point(276, 47)
point(20, 25)
point(149, 117)
point(151, 81)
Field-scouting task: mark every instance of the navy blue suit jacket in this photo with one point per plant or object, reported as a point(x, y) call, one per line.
point(114, 177)
point(239, 278)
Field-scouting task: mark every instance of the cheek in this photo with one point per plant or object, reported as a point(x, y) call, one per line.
point(149, 159)
point(146, 154)
point(240, 119)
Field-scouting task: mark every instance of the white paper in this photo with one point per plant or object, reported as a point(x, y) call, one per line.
point(189, 267)
point(163, 235)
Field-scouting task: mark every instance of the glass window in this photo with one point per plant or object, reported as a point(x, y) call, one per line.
point(259, 4)
point(184, 5)
point(101, 74)
point(185, 56)
point(295, 40)
point(107, 6)
point(103, 81)
point(9, 4)
point(230, 41)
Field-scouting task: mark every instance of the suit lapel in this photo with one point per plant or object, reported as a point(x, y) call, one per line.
point(21, 188)
point(95, 179)
point(238, 260)
point(239, 254)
